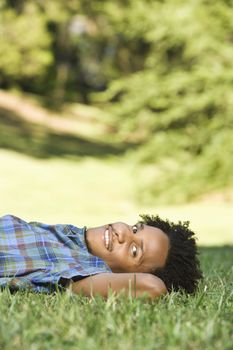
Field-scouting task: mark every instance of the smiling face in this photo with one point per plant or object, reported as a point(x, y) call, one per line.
point(125, 248)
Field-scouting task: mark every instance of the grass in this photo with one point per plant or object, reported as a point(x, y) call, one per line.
point(176, 321)
point(94, 192)
point(91, 192)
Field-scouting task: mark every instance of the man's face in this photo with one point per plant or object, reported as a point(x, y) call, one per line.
point(126, 248)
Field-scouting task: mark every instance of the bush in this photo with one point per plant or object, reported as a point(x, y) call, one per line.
point(179, 105)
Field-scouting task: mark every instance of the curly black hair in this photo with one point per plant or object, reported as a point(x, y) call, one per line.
point(182, 267)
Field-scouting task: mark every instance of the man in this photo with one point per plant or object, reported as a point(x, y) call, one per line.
point(151, 257)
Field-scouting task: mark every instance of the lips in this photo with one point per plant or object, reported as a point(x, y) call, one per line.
point(108, 238)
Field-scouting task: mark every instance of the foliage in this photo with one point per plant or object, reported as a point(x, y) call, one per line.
point(24, 43)
point(180, 104)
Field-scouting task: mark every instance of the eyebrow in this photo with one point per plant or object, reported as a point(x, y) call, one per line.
point(142, 246)
point(141, 227)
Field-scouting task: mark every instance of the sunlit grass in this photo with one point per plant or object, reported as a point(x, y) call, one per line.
point(94, 192)
point(176, 321)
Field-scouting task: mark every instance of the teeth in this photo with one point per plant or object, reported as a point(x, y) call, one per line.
point(106, 238)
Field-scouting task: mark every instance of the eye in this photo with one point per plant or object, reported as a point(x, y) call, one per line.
point(134, 251)
point(135, 228)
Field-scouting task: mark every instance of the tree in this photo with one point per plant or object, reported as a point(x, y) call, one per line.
point(179, 104)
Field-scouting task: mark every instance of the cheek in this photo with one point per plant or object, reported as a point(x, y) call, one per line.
point(118, 263)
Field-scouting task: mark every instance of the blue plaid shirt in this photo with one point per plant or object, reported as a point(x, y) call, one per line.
point(37, 256)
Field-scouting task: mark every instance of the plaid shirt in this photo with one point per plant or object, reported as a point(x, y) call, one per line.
point(35, 256)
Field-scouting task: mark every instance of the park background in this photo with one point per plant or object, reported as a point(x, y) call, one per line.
point(109, 109)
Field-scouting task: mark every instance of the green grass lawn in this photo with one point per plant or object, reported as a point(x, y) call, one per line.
point(93, 192)
point(176, 321)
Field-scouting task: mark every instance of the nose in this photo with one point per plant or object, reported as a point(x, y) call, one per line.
point(122, 231)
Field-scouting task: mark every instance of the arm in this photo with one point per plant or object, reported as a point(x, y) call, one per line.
point(134, 284)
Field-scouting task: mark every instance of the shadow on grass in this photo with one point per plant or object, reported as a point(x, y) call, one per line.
point(40, 142)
